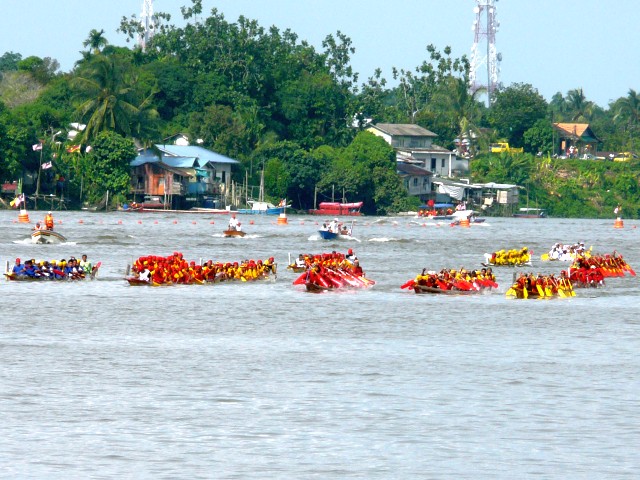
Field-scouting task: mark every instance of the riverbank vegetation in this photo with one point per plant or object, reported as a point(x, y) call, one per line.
point(270, 99)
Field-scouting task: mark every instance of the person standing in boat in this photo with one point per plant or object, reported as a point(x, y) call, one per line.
point(48, 221)
point(86, 264)
point(234, 223)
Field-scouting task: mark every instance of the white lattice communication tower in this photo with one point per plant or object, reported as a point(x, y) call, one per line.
point(484, 56)
point(147, 21)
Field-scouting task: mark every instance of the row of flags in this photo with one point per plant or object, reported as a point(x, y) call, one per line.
point(70, 149)
point(37, 147)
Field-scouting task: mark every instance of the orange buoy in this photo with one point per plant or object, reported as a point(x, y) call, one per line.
point(618, 223)
point(139, 222)
point(23, 217)
point(212, 222)
point(175, 222)
point(194, 222)
point(80, 221)
point(119, 222)
point(465, 222)
point(155, 222)
point(282, 219)
point(251, 222)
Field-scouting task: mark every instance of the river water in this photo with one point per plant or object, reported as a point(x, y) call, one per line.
point(264, 380)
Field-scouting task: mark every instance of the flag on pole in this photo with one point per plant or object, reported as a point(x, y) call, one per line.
point(37, 147)
point(47, 165)
point(73, 148)
point(17, 201)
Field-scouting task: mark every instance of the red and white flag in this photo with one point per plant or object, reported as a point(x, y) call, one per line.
point(47, 165)
point(36, 147)
point(17, 201)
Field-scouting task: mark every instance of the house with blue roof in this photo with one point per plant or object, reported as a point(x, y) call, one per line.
point(179, 176)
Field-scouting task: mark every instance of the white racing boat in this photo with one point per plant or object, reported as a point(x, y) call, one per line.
point(47, 237)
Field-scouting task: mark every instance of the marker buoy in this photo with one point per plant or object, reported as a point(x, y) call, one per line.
point(119, 222)
point(23, 217)
point(175, 222)
point(465, 222)
point(618, 223)
point(282, 219)
point(80, 221)
point(212, 222)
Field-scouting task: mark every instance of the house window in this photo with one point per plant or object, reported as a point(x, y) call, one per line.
point(415, 181)
point(425, 182)
point(433, 164)
point(442, 163)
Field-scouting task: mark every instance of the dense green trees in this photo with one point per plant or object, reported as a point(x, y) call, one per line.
point(516, 109)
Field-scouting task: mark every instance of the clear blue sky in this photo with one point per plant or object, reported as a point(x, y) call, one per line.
point(555, 45)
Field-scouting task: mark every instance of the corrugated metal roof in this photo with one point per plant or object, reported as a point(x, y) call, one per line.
point(200, 153)
point(142, 159)
point(404, 129)
point(181, 162)
point(412, 169)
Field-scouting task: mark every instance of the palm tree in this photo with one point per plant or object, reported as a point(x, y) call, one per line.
point(96, 41)
point(109, 98)
point(455, 98)
point(578, 105)
point(628, 108)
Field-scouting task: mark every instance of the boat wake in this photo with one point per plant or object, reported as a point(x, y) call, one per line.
point(339, 238)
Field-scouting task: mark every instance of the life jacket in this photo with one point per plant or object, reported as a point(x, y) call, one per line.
point(48, 221)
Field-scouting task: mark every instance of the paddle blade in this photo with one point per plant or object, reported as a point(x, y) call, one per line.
point(408, 284)
point(540, 290)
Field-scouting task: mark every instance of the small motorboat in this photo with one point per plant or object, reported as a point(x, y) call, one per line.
point(47, 237)
point(234, 233)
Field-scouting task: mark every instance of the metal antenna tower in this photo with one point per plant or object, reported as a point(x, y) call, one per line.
point(483, 53)
point(147, 21)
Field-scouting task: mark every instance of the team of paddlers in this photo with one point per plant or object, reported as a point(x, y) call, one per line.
point(565, 253)
point(587, 271)
point(592, 269)
point(508, 258)
point(71, 269)
point(529, 285)
point(328, 271)
point(453, 280)
point(174, 269)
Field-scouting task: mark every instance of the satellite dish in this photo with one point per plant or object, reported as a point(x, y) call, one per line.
point(499, 56)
